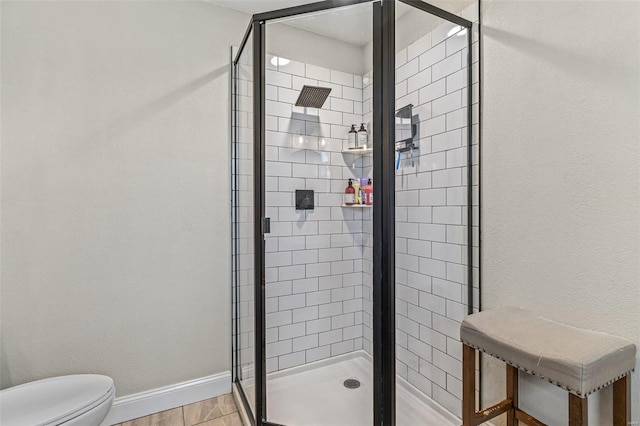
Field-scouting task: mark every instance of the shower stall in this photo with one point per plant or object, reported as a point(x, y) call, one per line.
point(347, 302)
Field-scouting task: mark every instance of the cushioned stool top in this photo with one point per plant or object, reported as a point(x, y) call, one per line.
point(578, 360)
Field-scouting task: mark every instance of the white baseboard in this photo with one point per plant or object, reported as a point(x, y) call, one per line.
point(167, 397)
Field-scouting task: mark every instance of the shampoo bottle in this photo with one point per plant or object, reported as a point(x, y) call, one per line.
point(350, 194)
point(352, 137)
point(363, 138)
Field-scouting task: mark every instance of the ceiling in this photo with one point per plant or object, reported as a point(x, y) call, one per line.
point(258, 6)
point(351, 24)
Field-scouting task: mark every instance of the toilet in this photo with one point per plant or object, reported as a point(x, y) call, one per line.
point(76, 400)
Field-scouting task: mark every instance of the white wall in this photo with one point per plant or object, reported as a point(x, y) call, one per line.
point(303, 46)
point(561, 174)
point(115, 189)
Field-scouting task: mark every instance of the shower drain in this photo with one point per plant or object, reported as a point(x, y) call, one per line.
point(352, 383)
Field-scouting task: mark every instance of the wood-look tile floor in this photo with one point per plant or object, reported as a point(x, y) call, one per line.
point(220, 411)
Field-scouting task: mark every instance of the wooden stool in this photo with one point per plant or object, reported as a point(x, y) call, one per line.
point(577, 360)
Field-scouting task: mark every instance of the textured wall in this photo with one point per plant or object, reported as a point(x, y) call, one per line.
point(561, 174)
point(115, 211)
point(311, 48)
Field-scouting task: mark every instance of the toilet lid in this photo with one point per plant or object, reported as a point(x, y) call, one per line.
point(44, 402)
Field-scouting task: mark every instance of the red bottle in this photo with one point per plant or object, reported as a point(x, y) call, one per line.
point(368, 193)
point(350, 194)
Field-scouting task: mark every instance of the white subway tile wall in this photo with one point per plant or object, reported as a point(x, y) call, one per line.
point(367, 225)
point(431, 215)
point(314, 293)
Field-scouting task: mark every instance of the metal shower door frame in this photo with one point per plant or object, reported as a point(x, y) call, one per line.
point(384, 97)
point(384, 374)
point(235, 297)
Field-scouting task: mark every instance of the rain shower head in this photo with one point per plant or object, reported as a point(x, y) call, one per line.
point(313, 96)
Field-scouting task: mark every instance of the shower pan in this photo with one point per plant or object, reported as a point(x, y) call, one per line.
point(347, 313)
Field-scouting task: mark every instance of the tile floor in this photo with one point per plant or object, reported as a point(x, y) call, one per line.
point(220, 411)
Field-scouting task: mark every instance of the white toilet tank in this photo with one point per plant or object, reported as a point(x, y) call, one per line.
point(83, 399)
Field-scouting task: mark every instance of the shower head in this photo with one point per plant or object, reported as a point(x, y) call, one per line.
point(313, 96)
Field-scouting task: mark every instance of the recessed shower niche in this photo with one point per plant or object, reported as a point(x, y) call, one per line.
point(369, 284)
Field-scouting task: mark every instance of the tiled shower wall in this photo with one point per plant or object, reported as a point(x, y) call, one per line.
point(431, 215)
point(314, 258)
point(367, 226)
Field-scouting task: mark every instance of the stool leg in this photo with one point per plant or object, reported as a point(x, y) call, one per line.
point(621, 402)
point(578, 412)
point(468, 385)
point(512, 394)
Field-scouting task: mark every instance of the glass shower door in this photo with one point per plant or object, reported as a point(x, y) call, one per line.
point(243, 250)
point(433, 188)
point(317, 289)
point(326, 292)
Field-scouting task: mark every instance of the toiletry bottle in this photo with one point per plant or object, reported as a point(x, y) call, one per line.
point(350, 194)
point(356, 187)
point(362, 137)
point(363, 182)
point(353, 137)
point(368, 193)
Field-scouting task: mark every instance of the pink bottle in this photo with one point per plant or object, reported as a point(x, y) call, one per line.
point(368, 193)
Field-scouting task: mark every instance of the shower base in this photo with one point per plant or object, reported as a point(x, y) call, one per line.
point(315, 395)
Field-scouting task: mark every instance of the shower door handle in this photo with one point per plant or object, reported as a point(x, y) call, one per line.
point(266, 225)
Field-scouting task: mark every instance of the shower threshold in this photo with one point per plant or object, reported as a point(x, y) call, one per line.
point(314, 394)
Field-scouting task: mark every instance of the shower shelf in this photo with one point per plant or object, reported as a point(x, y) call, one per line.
point(358, 151)
point(358, 206)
